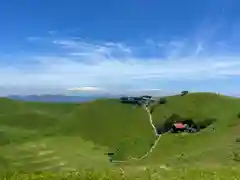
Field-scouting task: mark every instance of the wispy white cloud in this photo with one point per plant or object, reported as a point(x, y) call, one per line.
point(86, 89)
point(112, 64)
point(52, 32)
point(33, 38)
point(199, 48)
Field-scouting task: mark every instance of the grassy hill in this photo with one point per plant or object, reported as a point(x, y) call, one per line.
point(106, 124)
point(210, 147)
point(58, 137)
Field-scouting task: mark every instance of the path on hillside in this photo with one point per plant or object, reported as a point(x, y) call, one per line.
point(151, 121)
point(158, 136)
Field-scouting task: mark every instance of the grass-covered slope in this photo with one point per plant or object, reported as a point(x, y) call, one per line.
point(200, 106)
point(112, 124)
point(213, 146)
point(107, 124)
point(52, 136)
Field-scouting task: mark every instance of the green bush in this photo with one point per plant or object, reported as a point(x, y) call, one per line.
point(183, 93)
point(238, 140)
point(238, 115)
point(162, 101)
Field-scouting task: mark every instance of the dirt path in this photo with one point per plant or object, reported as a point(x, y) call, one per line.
point(156, 134)
point(151, 121)
point(148, 152)
point(158, 137)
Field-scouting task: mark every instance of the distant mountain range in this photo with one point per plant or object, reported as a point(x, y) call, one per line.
point(58, 98)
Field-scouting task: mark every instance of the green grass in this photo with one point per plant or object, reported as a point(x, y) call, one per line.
point(58, 138)
point(54, 154)
point(153, 173)
point(207, 145)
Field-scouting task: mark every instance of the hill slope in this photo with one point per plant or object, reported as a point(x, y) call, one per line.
point(38, 136)
point(107, 124)
point(212, 146)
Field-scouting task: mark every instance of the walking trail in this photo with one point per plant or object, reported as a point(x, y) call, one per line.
point(158, 136)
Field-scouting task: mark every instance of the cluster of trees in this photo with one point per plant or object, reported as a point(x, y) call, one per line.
point(136, 100)
point(167, 124)
point(130, 100)
point(183, 93)
point(141, 99)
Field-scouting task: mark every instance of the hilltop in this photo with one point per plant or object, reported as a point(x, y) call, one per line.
point(70, 136)
point(212, 146)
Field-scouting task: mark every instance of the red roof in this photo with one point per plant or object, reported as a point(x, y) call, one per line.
point(179, 125)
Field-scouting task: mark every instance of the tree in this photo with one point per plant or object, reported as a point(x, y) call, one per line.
point(238, 115)
point(162, 101)
point(238, 140)
point(183, 93)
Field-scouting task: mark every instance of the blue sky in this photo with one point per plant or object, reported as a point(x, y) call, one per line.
point(125, 46)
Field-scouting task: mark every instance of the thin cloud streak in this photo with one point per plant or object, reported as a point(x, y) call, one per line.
point(85, 89)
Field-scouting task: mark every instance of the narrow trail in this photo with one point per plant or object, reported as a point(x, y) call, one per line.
point(158, 137)
point(148, 152)
point(151, 121)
